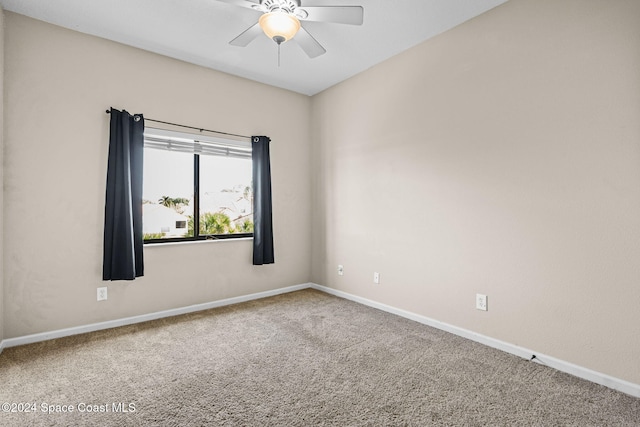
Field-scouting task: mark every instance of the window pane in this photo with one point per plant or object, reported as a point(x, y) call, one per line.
point(167, 194)
point(226, 195)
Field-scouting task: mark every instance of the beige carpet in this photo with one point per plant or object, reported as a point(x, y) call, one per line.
point(300, 359)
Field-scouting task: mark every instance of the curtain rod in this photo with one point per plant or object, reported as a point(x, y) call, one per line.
point(192, 127)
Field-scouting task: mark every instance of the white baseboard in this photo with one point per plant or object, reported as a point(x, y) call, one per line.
point(44, 336)
point(561, 365)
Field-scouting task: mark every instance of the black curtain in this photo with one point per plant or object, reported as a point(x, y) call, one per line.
point(123, 205)
point(262, 225)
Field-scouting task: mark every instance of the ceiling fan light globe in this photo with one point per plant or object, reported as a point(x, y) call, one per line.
point(279, 25)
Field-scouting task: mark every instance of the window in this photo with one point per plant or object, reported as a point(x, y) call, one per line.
point(195, 187)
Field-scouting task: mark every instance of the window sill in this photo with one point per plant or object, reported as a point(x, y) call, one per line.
point(196, 242)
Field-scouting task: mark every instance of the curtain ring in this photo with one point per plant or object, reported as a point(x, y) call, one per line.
point(136, 118)
point(256, 139)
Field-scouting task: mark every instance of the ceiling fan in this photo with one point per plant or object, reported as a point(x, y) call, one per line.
point(280, 21)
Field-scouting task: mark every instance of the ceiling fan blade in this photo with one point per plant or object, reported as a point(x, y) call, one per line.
point(247, 36)
point(352, 15)
point(310, 45)
point(251, 4)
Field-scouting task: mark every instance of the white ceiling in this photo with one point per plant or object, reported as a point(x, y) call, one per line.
point(198, 31)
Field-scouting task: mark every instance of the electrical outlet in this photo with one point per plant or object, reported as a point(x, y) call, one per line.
point(376, 278)
point(481, 302)
point(102, 293)
point(340, 270)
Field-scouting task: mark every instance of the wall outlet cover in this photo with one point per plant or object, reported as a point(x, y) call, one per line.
point(481, 302)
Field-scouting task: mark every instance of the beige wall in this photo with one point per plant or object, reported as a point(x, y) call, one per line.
point(58, 85)
point(1, 173)
point(502, 157)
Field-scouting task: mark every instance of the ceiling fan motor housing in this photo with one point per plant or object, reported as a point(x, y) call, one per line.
point(288, 6)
